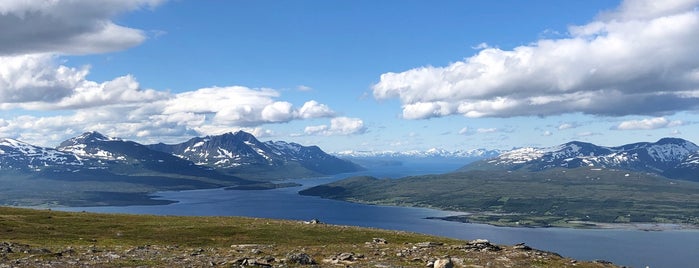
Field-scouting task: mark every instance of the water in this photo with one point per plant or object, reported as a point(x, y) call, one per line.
point(672, 248)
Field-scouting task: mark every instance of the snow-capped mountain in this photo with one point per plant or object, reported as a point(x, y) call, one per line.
point(671, 157)
point(242, 149)
point(21, 156)
point(128, 156)
point(196, 157)
point(434, 152)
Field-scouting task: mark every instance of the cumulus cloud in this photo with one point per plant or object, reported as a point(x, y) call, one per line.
point(67, 27)
point(313, 109)
point(648, 123)
point(338, 126)
point(242, 106)
point(36, 82)
point(640, 59)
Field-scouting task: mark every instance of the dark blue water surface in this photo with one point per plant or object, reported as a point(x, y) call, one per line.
point(670, 248)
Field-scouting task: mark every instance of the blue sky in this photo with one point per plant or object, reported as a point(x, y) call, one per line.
point(352, 75)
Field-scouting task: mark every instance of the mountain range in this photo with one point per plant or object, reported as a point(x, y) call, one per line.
point(93, 169)
point(209, 156)
point(431, 153)
point(670, 157)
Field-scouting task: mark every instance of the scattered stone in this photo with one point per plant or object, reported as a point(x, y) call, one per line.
point(300, 258)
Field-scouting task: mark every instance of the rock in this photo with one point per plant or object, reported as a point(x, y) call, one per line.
point(346, 256)
point(480, 241)
point(379, 241)
point(521, 246)
point(313, 221)
point(300, 258)
point(443, 263)
point(255, 262)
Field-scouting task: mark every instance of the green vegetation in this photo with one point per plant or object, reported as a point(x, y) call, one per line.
point(557, 197)
point(51, 238)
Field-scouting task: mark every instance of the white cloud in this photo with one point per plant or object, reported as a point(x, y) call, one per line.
point(36, 78)
point(316, 130)
point(36, 82)
point(313, 109)
point(278, 111)
point(546, 133)
point(238, 105)
point(338, 126)
point(648, 123)
point(464, 131)
point(67, 27)
point(640, 59)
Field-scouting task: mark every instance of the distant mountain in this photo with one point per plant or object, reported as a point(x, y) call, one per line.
point(20, 156)
point(241, 150)
point(431, 153)
point(670, 157)
point(128, 157)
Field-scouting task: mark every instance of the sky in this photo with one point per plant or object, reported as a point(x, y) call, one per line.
point(390, 75)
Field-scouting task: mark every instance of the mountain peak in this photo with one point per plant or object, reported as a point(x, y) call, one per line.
point(94, 136)
point(678, 141)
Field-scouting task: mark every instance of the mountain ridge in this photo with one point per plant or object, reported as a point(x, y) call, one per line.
point(671, 157)
point(240, 150)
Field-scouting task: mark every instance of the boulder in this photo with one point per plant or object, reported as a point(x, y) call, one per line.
point(443, 263)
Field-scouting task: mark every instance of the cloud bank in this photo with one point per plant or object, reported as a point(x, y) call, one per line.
point(641, 59)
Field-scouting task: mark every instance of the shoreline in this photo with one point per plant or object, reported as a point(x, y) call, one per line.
point(575, 224)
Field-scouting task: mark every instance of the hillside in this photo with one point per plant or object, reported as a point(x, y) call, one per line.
point(575, 197)
point(40, 238)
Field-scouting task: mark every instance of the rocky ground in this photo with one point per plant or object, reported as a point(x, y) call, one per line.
point(375, 253)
